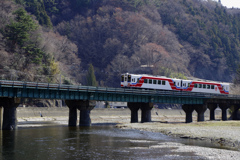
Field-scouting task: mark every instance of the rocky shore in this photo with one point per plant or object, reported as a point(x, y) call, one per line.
point(169, 122)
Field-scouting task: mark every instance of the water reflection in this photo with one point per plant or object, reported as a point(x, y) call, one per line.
point(8, 144)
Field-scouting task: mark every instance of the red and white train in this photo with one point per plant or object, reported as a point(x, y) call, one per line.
point(164, 83)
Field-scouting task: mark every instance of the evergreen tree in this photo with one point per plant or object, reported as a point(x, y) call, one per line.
point(91, 79)
point(19, 31)
point(37, 7)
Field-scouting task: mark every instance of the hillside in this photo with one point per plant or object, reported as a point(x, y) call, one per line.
point(168, 37)
point(30, 52)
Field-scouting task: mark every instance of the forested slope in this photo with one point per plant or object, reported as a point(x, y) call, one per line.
point(164, 37)
point(29, 52)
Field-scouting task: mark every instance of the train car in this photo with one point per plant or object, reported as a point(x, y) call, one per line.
point(164, 83)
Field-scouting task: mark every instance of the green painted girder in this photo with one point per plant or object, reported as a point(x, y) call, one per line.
point(95, 95)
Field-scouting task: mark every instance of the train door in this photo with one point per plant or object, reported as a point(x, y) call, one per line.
point(186, 84)
point(178, 83)
point(125, 80)
point(225, 87)
point(181, 85)
point(129, 79)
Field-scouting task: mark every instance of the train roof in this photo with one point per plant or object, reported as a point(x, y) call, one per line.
point(204, 80)
point(152, 76)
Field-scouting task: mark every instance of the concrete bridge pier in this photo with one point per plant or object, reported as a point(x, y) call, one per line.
point(235, 109)
point(134, 107)
point(85, 108)
point(146, 112)
point(188, 109)
point(72, 120)
point(9, 114)
point(212, 108)
point(1, 117)
point(200, 109)
point(224, 108)
point(85, 119)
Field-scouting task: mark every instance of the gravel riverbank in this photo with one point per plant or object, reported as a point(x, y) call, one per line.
point(217, 132)
point(168, 122)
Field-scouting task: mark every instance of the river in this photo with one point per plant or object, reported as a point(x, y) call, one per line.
point(100, 141)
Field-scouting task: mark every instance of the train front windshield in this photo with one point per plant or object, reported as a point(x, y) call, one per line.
point(129, 78)
point(122, 78)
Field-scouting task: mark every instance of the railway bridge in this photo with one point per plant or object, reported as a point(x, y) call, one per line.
point(84, 98)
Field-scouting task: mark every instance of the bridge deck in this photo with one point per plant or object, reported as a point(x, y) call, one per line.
point(77, 92)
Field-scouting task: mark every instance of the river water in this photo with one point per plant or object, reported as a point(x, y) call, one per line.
point(100, 141)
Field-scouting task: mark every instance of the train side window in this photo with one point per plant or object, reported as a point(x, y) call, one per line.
point(212, 86)
point(208, 86)
point(174, 83)
point(159, 82)
point(178, 83)
point(154, 81)
point(195, 85)
point(150, 81)
point(163, 83)
point(138, 80)
point(199, 85)
point(204, 86)
point(188, 84)
point(145, 81)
